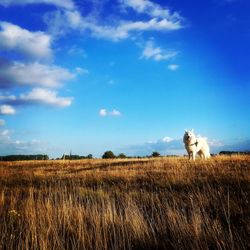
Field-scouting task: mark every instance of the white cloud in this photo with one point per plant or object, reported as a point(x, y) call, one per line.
point(152, 24)
point(151, 142)
point(33, 74)
point(4, 136)
point(114, 33)
point(7, 110)
point(2, 122)
point(150, 8)
point(165, 146)
point(157, 53)
point(76, 51)
point(60, 22)
point(215, 143)
point(173, 67)
point(74, 18)
point(167, 139)
point(81, 71)
point(9, 146)
point(34, 45)
point(124, 29)
point(6, 132)
point(105, 112)
point(137, 5)
point(168, 145)
point(67, 4)
point(45, 96)
point(115, 112)
point(7, 98)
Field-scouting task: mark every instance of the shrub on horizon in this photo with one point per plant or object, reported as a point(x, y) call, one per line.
point(108, 155)
point(155, 154)
point(122, 156)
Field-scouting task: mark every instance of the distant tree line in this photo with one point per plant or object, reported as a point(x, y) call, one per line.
point(24, 157)
point(76, 157)
point(107, 155)
point(110, 155)
point(234, 152)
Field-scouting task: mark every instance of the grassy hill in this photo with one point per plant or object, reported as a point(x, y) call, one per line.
point(157, 203)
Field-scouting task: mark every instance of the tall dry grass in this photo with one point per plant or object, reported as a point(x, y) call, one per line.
point(165, 203)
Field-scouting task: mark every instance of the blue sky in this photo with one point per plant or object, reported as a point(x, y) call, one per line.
point(125, 75)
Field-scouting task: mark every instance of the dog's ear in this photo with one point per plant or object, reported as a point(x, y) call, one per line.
point(186, 130)
point(192, 130)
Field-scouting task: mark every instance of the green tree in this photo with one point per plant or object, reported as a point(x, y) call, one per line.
point(155, 154)
point(122, 156)
point(108, 155)
point(90, 156)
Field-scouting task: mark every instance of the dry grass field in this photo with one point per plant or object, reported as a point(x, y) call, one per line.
point(161, 203)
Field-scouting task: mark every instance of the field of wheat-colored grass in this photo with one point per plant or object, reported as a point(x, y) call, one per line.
point(156, 203)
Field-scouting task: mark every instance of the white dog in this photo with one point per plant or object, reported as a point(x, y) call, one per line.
point(195, 145)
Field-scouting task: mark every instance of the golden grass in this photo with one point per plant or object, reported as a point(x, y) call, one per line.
point(161, 203)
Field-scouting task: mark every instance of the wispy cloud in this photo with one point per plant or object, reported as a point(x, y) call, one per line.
point(7, 98)
point(62, 21)
point(32, 74)
point(173, 67)
point(115, 112)
point(6, 132)
point(32, 71)
point(40, 96)
point(10, 146)
point(174, 146)
point(152, 9)
point(45, 96)
point(67, 4)
point(150, 51)
point(230, 145)
point(7, 110)
point(34, 45)
point(105, 112)
point(5, 136)
point(165, 146)
point(2, 122)
point(76, 51)
point(167, 139)
point(81, 71)
point(125, 29)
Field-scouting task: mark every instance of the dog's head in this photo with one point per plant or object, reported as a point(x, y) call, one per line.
point(188, 136)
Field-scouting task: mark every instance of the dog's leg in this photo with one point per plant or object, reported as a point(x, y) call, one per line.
point(202, 156)
point(193, 156)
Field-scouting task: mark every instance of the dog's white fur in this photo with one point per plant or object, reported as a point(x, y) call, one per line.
point(195, 145)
